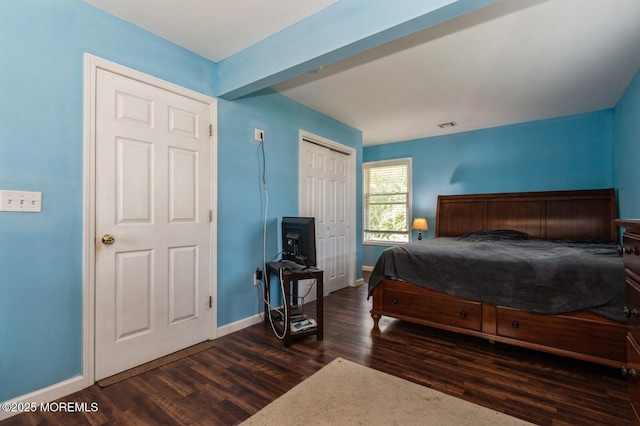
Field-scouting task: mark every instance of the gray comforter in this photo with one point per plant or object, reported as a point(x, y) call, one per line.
point(510, 269)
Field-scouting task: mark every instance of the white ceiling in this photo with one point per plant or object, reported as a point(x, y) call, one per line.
point(214, 29)
point(511, 62)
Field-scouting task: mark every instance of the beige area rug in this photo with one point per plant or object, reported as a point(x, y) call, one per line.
point(345, 393)
point(191, 350)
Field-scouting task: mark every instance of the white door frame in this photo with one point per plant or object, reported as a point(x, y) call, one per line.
point(351, 190)
point(91, 66)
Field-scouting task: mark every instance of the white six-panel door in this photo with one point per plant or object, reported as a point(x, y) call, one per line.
point(323, 195)
point(153, 185)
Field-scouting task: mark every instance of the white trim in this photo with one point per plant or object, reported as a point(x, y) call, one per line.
point(88, 220)
point(239, 325)
point(92, 64)
point(48, 394)
point(385, 243)
point(351, 191)
point(367, 268)
point(382, 163)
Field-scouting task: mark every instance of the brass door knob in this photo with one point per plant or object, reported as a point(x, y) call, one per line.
point(108, 239)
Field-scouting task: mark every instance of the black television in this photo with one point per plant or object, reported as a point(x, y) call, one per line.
point(299, 240)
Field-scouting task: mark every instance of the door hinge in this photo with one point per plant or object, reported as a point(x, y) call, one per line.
point(210, 215)
point(211, 301)
point(210, 129)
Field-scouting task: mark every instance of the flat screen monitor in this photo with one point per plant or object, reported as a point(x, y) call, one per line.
point(299, 240)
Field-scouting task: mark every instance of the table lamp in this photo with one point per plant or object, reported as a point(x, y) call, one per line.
point(420, 224)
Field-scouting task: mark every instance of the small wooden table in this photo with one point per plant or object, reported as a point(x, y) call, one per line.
point(290, 277)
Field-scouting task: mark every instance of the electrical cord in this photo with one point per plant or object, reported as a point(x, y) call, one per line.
point(267, 299)
point(263, 190)
point(266, 207)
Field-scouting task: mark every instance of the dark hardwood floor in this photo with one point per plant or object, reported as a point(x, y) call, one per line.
point(248, 369)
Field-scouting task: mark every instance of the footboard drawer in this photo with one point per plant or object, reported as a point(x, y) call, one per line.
point(631, 251)
point(433, 307)
point(564, 332)
point(633, 363)
point(633, 304)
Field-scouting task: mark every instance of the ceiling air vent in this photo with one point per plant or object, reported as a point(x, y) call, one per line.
point(447, 124)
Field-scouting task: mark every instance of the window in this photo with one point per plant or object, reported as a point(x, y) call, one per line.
point(387, 201)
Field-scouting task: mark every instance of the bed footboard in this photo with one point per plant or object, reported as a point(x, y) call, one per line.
point(580, 335)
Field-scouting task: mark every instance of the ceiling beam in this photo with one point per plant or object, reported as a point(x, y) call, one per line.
point(345, 28)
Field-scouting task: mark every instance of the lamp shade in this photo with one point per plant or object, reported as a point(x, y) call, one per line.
point(420, 224)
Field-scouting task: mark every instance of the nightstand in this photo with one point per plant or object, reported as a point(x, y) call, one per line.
point(289, 278)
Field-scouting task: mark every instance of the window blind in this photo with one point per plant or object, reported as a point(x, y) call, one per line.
point(386, 202)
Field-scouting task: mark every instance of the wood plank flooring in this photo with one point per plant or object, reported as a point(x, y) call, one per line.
point(250, 368)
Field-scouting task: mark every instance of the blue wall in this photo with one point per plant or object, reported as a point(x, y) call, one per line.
point(41, 149)
point(627, 131)
point(574, 152)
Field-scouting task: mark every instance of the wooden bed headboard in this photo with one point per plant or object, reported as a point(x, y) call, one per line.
point(554, 215)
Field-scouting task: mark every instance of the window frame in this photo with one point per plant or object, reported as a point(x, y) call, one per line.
point(386, 163)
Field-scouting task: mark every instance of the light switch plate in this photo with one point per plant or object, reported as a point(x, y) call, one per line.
point(20, 201)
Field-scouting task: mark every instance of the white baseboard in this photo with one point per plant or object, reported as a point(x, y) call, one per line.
point(44, 395)
point(239, 325)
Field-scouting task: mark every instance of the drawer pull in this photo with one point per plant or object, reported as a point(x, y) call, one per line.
point(515, 324)
point(631, 313)
point(394, 302)
point(627, 250)
point(463, 314)
point(628, 372)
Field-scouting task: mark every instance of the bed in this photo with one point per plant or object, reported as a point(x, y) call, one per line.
point(538, 270)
